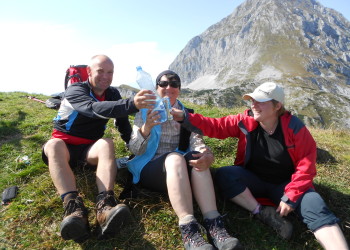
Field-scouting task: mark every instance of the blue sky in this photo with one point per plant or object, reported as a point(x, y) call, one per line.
point(41, 38)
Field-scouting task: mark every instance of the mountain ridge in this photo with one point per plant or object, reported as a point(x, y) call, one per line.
point(299, 44)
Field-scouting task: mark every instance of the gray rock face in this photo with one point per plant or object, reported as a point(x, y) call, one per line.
point(297, 43)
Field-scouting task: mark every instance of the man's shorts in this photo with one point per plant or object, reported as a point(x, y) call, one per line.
point(77, 154)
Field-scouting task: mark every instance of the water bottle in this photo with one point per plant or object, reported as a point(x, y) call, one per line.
point(144, 80)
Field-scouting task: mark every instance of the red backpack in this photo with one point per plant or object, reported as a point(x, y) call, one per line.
point(75, 73)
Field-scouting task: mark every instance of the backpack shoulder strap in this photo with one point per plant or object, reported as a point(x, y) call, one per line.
point(66, 79)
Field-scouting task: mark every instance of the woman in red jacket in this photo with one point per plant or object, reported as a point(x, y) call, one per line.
point(275, 159)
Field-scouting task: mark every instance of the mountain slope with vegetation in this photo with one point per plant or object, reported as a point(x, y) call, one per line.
point(299, 44)
point(32, 219)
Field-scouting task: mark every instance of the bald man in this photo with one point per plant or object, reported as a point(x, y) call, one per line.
point(77, 141)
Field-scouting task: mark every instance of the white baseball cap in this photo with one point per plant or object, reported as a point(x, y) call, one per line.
point(266, 92)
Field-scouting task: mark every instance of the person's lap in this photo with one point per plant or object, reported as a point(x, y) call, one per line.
point(311, 208)
point(77, 154)
point(153, 175)
point(233, 180)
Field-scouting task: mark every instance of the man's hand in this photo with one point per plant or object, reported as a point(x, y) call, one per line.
point(143, 99)
point(206, 158)
point(284, 209)
point(178, 114)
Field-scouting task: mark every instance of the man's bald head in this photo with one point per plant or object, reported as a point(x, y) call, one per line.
point(100, 58)
point(100, 71)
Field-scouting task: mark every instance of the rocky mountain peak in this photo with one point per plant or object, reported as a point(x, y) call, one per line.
point(297, 43)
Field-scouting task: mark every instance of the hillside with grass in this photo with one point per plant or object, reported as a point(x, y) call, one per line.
point(32, 219)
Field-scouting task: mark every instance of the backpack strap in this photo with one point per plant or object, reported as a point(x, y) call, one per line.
point(66, 79)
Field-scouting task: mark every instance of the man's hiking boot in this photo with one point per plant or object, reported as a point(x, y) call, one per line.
point(219, 236)
point(110, 215)
point(75, 224)
point(192, 238)
point(269, 216)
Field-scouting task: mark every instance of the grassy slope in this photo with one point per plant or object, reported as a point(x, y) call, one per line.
point(32, 220)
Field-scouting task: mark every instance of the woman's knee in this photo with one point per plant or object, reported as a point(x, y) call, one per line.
point(314, 211)
point(228, 179)
point(175, 162)
point(226, 174)
point(174, 157)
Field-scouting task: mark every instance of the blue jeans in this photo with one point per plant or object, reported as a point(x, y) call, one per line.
point(311, 208)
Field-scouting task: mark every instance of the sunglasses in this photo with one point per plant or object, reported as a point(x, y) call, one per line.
point(173, 84)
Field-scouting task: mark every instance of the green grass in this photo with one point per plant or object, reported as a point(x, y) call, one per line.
point(32, 220)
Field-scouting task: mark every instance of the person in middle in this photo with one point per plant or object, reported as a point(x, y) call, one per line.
point(172, 160)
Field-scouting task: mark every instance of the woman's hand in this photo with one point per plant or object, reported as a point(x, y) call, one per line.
point(178, 114)
point(151, 121)
point(206, 158)
point(284, 209)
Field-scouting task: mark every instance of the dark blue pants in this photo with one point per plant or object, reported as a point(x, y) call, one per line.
point(311, 208)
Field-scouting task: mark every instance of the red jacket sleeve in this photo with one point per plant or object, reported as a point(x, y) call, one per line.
point(219, 128)
point(302, 149)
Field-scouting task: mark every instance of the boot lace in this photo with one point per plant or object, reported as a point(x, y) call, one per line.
point(106, 202)
point(76, 207)
point(217, 229)
point(191, 234)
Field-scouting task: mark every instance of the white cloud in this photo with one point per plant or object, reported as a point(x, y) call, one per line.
point(35, 57)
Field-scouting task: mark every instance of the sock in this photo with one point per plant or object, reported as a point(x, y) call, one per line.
point(211, 215)
point(186, 219)
point(70, 192)
point(110, 192)
point(257, 209)
point(102, 193)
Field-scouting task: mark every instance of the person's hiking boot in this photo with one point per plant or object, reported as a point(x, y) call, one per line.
point(192, 238)
point(219, 236)
point(269, 216)
point(110, 215)
point(75, 224)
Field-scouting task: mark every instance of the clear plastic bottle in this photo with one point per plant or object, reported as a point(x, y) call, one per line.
point(144, 80)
